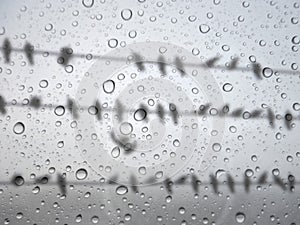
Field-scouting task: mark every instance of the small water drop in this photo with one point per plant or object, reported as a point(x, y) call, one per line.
point(43, 83)
point(267, 72)
point(115, 152)
point(140, 114)
point(112, 43)
point(81, 174)
point(59, 110)
point(126, 14)
point(121, 190)
point(95, 219)
point(126, 128)
point(227, 87)
point(19, 128)
point(88, 3)
point(19, 180)
point(109, 86)
point(142, 170)
point(216, 147)
point(204, 28)
point(36, 190)
point(78, 218)
point(240, 217)
point(2, 30)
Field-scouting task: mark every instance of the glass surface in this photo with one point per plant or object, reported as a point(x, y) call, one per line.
point(149, 112)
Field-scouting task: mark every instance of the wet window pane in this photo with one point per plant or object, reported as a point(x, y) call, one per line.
point(149, 112)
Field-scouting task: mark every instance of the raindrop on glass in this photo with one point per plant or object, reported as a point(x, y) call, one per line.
point(267, 72)
point(19, 128)
point(81, 174)
point(109, 86)
point(126, 128)
point(126, 14)
point(59, 110)
point(19, 180)
point(112, 43)
point(121, 190)
point(115, 152)
point(140, 114)
point(88, 3)
point(227, 87)
point(240, 217)
point(204, 28)
point(216, 147)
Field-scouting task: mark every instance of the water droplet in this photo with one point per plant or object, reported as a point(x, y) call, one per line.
point(168, 199)
point(121, 76)
point(267, 72)
point(289, 158)
point(59, 110)
point(225, 48)
point(254, 158)
point(219, 173)
point(204, 28)
point(232, 129)
point(140, 114)
point(81, 174)
point(159, 174)
point(109, 86)
point(112, 43)
point(19, 180)
point(195, 90)
point(126, 128)
point(275, 172)
point(2, 30)
point(115, 152)
point(216, 147)
point(126, 14)
point(142, 170)
point(227, 87)
point(88, 3)
point(294, 20)
point(19, 215)
point(249, 173)
point(92, 110)
point(43, 83)
point(132, 34)
point(240, 217)
point(176, 143)
point(278, 136)
point(181, 210)
point(36, 190)
point(195, 51)
point(69, 68)
point(78, 218)
point(51, 170)
point(95, 219)
point(262, 43)
point(127, 217)
point(121, 190)
point(60, 144)
point(162, 50)
point(48, 27)
point(19, 128)
point(192, 18)
point(295, 40)
point(296, 106)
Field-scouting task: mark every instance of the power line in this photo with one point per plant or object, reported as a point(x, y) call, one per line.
point(169, 184)
point(204, 110)
point(66, 54)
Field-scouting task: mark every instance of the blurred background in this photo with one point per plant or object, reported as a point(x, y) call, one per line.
point(149, 112)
